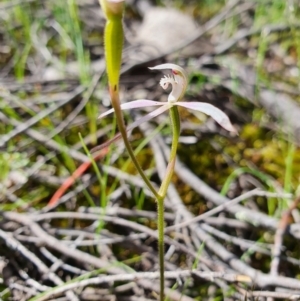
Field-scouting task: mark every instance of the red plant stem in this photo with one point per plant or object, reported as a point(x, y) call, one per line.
point(75, 175)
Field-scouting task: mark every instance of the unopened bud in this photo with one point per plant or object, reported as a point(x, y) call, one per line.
point(112, 8)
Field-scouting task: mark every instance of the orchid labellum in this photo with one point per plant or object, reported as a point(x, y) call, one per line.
point(178, 81)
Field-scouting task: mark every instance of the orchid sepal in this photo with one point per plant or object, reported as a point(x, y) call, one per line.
point(140, 103)
point(219, 116)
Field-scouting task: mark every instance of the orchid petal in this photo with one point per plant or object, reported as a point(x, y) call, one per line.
point(165, 106)
point(178, 80)
point(172, 67)
point(140, 103)
point(219, 116)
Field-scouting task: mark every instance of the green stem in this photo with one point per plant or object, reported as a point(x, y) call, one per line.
point(175, 122)
point(122, 128)
point(161, 246)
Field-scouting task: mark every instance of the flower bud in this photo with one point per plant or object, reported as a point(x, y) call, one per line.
point(112, 8)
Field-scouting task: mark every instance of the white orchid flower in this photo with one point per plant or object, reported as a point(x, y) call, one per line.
point(178, 80)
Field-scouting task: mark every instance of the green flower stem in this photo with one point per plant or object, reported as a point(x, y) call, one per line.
point(120, 121)
point(161, 246)
point(175, 122)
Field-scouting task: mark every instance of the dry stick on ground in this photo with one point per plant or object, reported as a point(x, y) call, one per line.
point(96, 241)
point(276, 295)
point(220, 208)
point(14, 102)
point(124, 212)
point(278, 240)
point(221, 222)
point(252, 245)
point(258, 278)
point(15, 245)
point(83, 257)
point(115, 220)
point(253, 295)
point(241, 242)
point(59, 262)
point(135, 277)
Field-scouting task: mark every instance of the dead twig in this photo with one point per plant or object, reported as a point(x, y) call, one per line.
point(278, 239)
point(136, 276)
point(15, 245)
